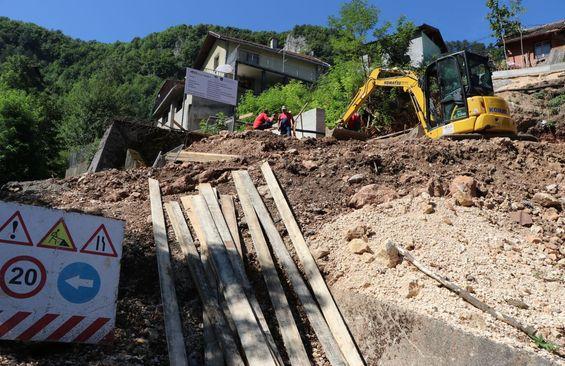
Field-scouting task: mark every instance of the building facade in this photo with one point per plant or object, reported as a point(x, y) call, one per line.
point(426, 45)
point(537, 46)
point(256, 67)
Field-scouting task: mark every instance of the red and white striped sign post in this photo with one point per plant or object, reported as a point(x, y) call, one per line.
point(59, 274)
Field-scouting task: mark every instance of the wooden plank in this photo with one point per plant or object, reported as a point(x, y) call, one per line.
point(213, 318)
point(256, 350)
point(211, 199)
point(228, 209)
point(247, 192)
point(208, 264)
point(319, 287)
point(287, 326)
point(173, 325)
point(200, 157)
point(212, 354)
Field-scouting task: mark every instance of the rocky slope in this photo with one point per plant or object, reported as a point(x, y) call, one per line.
point(320, 178)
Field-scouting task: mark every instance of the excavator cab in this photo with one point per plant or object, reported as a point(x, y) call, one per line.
point(460, 99)
point(450, 80)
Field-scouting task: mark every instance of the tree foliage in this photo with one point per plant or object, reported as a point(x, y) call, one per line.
point(21, 155)
point(503, 17)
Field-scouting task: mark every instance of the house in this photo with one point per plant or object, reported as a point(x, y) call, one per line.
point(426, 45)
point(541, 45)
point(256, 67)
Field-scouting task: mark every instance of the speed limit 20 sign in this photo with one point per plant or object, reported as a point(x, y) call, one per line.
point(59, 274)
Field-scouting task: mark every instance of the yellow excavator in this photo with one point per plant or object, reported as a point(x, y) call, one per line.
point(454, 98)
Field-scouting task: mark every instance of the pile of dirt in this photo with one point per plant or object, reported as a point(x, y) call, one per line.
point(319, 177)
point(481, 250)
point(537, 104)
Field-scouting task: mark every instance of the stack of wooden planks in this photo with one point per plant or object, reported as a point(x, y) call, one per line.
point(235, 328)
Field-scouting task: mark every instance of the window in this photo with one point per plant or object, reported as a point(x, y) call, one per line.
point(250, 58)
point(216, 61)
point(542, 49)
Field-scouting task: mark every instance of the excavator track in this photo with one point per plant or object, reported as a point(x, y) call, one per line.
point(481, 136)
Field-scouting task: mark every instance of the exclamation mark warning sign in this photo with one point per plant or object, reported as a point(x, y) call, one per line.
point(14, 231)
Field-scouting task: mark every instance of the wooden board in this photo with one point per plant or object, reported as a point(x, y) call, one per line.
point(287, 325)
point(256, 349)
point(319, 287)
point(247, 192)
point(199, 157)
point(173, 325)
point(210, 196)
point(228, 209)
point(213, 318)
point(207, 263)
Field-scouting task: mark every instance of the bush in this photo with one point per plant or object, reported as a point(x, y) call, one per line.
point(22, 153)
point(557, 102)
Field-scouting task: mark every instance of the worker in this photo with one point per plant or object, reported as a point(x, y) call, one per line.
point(355, 122)
point(262, 122)
point(286, 122)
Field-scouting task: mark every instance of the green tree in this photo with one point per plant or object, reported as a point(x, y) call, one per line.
point(356, 21)
point(21, 155)
point(503, 18)
point(21, 72)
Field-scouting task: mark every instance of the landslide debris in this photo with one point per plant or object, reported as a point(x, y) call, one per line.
point(316, 177)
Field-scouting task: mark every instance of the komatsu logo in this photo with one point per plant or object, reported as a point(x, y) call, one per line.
point(497, 110)
point(392, 83)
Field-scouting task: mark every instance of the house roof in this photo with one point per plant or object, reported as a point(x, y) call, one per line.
point(212, 37)
point(434, 34)
point(538, 31)
point(170, 88)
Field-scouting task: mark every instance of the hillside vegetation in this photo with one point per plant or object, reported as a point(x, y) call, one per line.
point(57, 93)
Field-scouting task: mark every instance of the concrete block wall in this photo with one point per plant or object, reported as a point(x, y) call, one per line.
point(312, 120)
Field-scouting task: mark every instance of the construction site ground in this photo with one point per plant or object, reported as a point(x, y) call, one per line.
point(516, 269)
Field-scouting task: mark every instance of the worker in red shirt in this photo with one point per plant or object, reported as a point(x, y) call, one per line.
point(355, 122)
point(262, 122)
point(286, 122)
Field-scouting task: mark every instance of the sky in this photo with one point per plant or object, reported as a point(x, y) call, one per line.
point(122, 20)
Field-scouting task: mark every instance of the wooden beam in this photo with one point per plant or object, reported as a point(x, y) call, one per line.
point(464, 294)
point(256, 350)
point(319, 287)
point(207, 263)
point(211, 199)
point(247, 192)
point(213, 314)
point(228, 209)
point(199, 157)
point(287, 325)
point(173, 325)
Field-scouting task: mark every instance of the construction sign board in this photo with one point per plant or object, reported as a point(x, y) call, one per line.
point(59, 274)
point(212, 87)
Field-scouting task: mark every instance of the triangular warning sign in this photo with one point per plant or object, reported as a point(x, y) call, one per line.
point(14, 231)
point(100, 243)
point(58, 237)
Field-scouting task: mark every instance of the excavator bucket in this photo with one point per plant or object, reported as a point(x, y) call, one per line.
point(341, 133)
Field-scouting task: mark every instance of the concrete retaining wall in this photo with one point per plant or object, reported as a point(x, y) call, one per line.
point(387, 335)
point(529, 71)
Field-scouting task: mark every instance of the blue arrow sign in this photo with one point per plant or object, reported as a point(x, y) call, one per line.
point(78, 282)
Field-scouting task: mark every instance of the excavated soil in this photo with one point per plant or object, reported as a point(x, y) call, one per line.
point(314, 174)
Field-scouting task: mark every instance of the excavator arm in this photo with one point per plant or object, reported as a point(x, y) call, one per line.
point(407, 80)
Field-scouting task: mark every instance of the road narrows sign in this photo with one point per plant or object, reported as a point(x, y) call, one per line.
point(14, 231)
point(100, 243)
point(58, 295)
